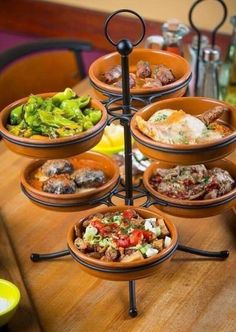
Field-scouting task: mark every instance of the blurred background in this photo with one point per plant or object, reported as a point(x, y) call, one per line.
point(27, 21)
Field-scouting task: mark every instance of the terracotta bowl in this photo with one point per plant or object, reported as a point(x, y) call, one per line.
point(118, 271)
point(186, 154)
point(192, 208)
point(46, 148)
point(180, 68)
point(77, 201)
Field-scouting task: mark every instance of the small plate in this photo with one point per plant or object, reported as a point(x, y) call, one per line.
point(77, 201)
point(182, 154)
point(55, 148)
point(192, 208)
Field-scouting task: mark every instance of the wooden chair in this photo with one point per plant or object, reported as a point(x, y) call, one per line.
point(45, 65)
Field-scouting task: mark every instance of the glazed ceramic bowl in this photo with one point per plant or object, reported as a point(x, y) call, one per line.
point(179, 66)
point(10, 298)
point(192, 208)
point(119, 271)
point(46, 148)
point(183, 154)
point(32, 187)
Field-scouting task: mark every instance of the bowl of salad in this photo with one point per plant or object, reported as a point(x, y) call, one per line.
point(122, 243)
point(192, 191)
point(53, 125)
point(185, 130)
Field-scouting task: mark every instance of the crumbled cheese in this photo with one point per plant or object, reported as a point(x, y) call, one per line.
point(151, 252)
point(4, 304)
point(167, 241)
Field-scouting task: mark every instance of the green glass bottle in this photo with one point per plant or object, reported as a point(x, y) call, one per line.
point(228, 70)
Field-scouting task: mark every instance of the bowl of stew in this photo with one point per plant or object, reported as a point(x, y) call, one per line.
point(122, 242)
point(192, 191)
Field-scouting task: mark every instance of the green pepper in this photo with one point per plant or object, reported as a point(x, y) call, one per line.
point(17, 130)
point(33, 120)
point(16, 115)
point(35, 100)
point(28, 132)
point(95, 116)
point(48, 118)
point(56, 120)
point(83, 101)
point(59, 97)
point(87, 124)
point(69, 107)
point(64, 132)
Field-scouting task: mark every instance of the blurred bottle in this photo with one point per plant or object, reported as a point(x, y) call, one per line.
point(172, 37)
point(210, 82)
point(193, 48)
point(228, 70)
point(173, 32)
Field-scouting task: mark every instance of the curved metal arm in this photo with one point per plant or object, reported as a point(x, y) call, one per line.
point(213, 36)
point(214, 254)
point(35, 257)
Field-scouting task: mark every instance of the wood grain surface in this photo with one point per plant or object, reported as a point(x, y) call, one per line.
point(188, 294)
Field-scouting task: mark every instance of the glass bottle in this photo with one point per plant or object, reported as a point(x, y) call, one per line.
point(193, 48)
point(210, 83)
point(173, 32)
point(228, 70)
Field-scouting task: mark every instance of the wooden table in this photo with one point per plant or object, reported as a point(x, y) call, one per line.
point(188, 294)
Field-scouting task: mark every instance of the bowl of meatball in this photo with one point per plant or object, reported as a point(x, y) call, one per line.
point(192, 191)
point(53, 125)
point(122, 242)
point(152, 74)
point(76, 183)
point(185, 130)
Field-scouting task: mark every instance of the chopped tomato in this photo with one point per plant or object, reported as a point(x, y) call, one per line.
point(136, 237)
point(128, 214)
point(109, 228)
point(147, 235)
point(123, 242)
point(97, 224)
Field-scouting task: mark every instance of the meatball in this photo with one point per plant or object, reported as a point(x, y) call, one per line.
point(57, 166)
point(143, 69)
point(132, 81)
point(59, 184)
point(152, 83)
point(164, 74)
point(112, 75)
point(89, 178)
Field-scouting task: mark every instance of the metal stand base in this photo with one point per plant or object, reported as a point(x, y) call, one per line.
point(40, 257)
point(133, 312)
point(132, 299)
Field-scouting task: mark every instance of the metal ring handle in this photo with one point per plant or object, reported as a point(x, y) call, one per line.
point(124, 11)
point(225, 11)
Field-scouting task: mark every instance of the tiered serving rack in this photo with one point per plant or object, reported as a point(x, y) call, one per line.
point(127, 191)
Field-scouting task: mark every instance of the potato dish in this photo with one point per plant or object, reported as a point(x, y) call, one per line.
point(122, 236)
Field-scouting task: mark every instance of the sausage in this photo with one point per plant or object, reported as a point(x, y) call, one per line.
point(164, 74)
point(212, 115)
point(143, 69)
point(112, 75)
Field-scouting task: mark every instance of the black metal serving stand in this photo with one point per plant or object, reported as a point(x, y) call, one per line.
point(127, 191)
